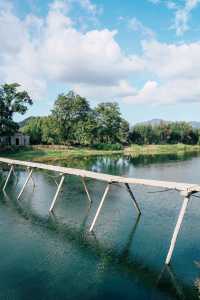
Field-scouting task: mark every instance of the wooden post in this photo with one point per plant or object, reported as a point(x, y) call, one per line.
point(177, 227)
point(27, 180)
point(100, 206)
point(8, 177)
point(57, 193)
point(86, 189)
point(133, 198)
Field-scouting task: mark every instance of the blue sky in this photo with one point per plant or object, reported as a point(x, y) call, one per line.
point(143, 54)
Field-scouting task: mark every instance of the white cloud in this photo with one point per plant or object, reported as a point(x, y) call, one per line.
point(93, 58)
point(89, 6)
point(135, 25)
point(169, 92)
point(119, 91)
point(171, 5)
point(182, 13)
point(182, 16)
point(177, 72)
point(34, 51)
point(58, 6)
point(38, 52)
point(171, 60)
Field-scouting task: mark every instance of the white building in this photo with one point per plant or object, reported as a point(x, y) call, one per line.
point(18, 139)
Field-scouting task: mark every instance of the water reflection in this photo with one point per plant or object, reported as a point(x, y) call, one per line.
point(124, 261)
point(167, 280)
point(115, 163)
point(197, 280)
point(125, 255)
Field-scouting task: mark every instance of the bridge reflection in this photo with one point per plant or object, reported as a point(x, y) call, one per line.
point(165, 280)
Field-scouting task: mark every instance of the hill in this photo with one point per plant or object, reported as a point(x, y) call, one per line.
point(25, 121)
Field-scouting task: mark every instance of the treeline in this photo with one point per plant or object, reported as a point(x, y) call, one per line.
point(165, 133)
point(74, 122)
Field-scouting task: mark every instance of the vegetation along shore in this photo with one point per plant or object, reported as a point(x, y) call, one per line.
point(47, 154)
point(82, 131)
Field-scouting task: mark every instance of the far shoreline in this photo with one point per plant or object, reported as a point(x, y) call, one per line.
point(53, 153)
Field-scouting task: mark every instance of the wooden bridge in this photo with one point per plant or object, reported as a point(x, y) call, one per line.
point(186, 190)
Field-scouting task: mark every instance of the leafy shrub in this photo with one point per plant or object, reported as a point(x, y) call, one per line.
point(111, 147)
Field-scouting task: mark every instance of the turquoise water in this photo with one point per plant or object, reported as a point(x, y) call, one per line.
point(55, 257)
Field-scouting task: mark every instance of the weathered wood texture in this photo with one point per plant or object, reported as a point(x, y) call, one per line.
point(190, 188)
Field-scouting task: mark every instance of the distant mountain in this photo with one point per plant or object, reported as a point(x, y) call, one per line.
point(25, 121)
point(153, 122)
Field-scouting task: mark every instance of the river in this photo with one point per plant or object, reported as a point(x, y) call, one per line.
point(55, 257)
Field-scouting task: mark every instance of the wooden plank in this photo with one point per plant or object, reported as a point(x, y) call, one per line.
point(106, 177)
point(177, 229)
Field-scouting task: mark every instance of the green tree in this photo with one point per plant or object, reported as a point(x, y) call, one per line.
point(68, 111)
point(50, 131)
point(12, 101)
point(86, 130)
point(42, 130)
point(164, 133)
point(34, 129)
point(108, 121)
point(124, 131)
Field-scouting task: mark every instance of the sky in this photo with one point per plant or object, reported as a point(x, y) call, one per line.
point(143, 54)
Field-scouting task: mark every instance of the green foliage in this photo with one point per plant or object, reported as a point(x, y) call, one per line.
point(11, 101)
point(42, 130)
point(108, 122)
point(69, 110)
point(74, 122)
point(124, 132)
point(111, 147)
point(34, 129)
point(165, 133)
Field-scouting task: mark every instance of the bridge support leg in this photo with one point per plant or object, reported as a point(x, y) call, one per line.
point(57, 193)
point(100, 206)
point(177, 228)
point(25, 183)
point(133, 198)
point(86, 189)
point(8, 177)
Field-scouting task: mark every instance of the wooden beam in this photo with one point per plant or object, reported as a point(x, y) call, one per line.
point(25, 183)
point(57, 193)
point(86, 189)
point(133, 198)
point(100, 206)
point(106, 177)
point(177, 229)
point(186, 189)
point(8, 177)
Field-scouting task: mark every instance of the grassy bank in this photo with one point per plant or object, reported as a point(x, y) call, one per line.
point(137, 150)
point(54, 153)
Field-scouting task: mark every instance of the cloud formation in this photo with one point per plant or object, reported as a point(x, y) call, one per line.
point(182, 16)
point(37, 50)
point(40, 51)
point(136, 25)
point(176, 69)
point(182, 13)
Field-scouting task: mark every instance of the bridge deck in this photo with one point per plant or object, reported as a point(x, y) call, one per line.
point(106, 177)
point(186, 189)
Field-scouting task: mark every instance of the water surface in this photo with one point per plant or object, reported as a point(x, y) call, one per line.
point(54, 257)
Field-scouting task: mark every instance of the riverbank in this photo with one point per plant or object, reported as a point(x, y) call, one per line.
point(54, 153)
